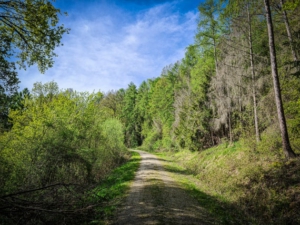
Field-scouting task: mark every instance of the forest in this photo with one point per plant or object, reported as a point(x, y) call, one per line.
point(238, 85)
point(222, 90)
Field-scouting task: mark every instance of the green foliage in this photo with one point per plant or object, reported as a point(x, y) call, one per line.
point(158, 111)
point(152, 141)
point(32, 26)
point(29, 32)
point(65, 138)
point(238, 182)
point(221, 90)
point(112, 131)
point(13, 101)
point(191, 110)
point(113, 100)
point(291, 5)
point(129, 117)
point(45, 90)
point(113, 188)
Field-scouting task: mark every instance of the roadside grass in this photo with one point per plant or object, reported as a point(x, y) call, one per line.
point(216, 205)
point(241, 183)
point(112, 190)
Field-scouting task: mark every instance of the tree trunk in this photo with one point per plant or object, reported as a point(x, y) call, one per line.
point(287, 149)
point(230, 130)
point(288, 31)
point(215, 55)
point(253, 76)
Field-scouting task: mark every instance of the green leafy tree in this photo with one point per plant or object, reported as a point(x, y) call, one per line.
point(29, 32)
point(47, 90)
point(142, 108)
point(191, 126)
point(210, 28)
point(161, 107)
point(129, 117)
point(56, 150)
point(11, 102)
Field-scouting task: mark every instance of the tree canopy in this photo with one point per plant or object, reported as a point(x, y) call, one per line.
point(29, 33)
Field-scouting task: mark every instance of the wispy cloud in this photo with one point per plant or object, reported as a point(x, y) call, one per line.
point(114, 48)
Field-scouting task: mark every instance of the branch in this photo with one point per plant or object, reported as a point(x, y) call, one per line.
point(37, 189)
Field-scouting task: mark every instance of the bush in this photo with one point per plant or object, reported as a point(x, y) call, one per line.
point(58, 147)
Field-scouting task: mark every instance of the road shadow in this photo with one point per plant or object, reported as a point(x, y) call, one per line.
point(159, 203)
point(155, 198)
point(271, 198)
point(223, 212)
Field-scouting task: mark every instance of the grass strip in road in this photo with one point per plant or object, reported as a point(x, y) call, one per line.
point(113, 189)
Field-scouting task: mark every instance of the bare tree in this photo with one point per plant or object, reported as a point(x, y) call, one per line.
point(252, 74)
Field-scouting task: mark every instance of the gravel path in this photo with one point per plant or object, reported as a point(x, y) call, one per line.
point(155, 198)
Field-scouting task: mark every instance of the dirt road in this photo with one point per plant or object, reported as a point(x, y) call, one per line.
point(155, 198)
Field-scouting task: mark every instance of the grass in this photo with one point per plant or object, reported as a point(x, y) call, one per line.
point(216, 206)
point(112, 190)
point(241, 183)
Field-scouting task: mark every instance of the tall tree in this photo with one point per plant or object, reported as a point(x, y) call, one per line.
point(141, 107)
point(236, 9)
point(209, 27)
point(289, 153)
point(288, 31)
point(129, 117)
point(253, 78)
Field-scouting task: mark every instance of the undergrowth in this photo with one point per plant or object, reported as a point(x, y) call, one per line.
point(110, 193)
point(242, 183)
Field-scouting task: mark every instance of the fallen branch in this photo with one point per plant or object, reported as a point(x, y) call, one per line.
point(36, 189)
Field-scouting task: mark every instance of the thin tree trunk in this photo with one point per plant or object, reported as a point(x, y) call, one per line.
point(287, 149)
point(253, 77)
point(288, 31)
point(212, 137)
point(230, 131)
point(215, 56)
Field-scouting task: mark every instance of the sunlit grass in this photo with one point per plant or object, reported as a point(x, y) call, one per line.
point(242, 182)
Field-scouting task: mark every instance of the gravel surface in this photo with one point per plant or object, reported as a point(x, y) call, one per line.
point(155, 198)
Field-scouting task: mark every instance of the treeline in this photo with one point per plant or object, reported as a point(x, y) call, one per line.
point(222, 89)
point(56, 147)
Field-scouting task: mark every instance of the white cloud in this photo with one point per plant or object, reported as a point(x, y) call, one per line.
point(110, 50)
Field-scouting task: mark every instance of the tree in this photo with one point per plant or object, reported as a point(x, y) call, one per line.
point(235, 10)
point(141, 107)
point(11, 102)
point(110, 101)
point(252, 74)
point(29, 32)
point(54, 154)
point(209, 27)
point(45, 90)
point(287, 149)
point(4, 102)
point(129, 117)
point(288, 31)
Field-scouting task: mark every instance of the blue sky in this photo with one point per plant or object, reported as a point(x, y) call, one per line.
point(115, 42)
